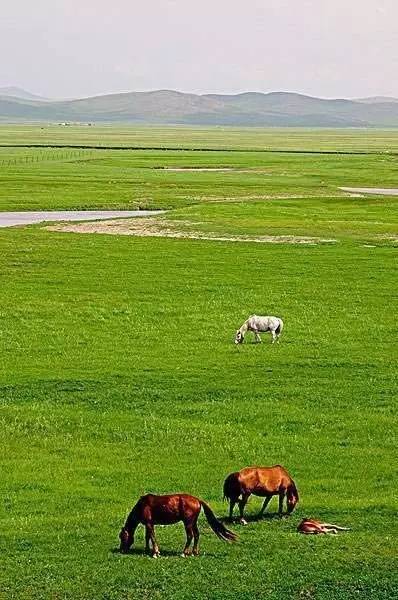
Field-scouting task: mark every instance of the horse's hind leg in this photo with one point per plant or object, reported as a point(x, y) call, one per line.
point(329, 530)
point(274, 336)
point(195, 550)
point(147, 540)
point(190, 534)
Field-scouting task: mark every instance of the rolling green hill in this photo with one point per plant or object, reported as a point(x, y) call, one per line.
point(166, 106)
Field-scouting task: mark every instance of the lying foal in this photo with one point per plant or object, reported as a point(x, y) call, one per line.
point(153, 510)
point(313, 527)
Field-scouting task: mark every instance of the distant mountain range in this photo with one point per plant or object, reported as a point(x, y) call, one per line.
point(171, 107)
point(18, 92)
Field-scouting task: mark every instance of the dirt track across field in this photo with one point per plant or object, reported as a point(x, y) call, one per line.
point(377, 191)
point(151, 227)
point(11, 219)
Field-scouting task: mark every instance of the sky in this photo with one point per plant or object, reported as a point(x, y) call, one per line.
point(76, 48)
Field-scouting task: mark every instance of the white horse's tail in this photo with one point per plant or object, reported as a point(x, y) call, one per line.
point(279, 329)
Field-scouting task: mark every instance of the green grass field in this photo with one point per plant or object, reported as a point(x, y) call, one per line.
point(119, 377)
point(228, 138)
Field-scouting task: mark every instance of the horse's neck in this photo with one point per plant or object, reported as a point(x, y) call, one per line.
point(132, 521)
point(244, 327)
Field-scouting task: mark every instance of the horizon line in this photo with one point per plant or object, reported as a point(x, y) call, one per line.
point(199, 94)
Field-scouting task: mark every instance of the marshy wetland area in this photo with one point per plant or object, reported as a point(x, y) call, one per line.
point(119, 374)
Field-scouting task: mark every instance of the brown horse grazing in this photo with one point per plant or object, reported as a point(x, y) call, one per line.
point(260, 481)
point(153, 510)
point(312, 527)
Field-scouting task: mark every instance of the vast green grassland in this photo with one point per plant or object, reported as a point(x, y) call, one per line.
point(228, 138)
point(34, 179)
point(118, 373)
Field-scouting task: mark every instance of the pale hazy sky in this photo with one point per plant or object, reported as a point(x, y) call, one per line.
point(330, 48)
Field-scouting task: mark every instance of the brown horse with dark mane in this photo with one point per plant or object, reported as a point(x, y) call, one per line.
point(260, 481)
point(152, 510)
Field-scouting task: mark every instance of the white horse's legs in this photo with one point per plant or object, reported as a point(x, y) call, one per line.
point(274, 338)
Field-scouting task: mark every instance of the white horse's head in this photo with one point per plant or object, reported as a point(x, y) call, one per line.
point(239, 337)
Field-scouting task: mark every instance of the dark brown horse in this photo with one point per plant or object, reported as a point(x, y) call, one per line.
point(152, 510)
point(260, 481)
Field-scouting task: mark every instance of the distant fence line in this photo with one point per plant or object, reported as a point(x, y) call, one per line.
point(196, 149)
point(42, 157)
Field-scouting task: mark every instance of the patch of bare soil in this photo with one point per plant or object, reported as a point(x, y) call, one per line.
point(377, 191)
point(253, 197)
point(198, 169)
point(267, 197)
point(150, 227)
point(254, 170)
point(389, 237)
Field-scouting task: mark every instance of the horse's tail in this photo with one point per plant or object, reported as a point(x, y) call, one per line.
point(219, 529)
point(279, 329)
point(231, 487)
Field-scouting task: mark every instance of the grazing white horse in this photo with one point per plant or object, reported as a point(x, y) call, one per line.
point(260, 325)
